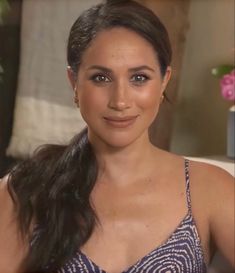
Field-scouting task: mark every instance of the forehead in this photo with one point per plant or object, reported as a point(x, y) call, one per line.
point(119, 46)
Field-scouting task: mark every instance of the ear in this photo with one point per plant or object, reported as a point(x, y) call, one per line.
point(166, 78)
point(73, 82)
point(71, 77)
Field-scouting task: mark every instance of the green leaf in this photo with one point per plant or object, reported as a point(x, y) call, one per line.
point(221, 70)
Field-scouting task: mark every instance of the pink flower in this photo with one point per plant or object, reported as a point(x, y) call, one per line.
point(227, 84)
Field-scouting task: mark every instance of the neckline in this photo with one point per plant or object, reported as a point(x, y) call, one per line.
point(140, 260)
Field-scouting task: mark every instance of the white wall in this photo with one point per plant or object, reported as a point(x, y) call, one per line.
point(201, 112)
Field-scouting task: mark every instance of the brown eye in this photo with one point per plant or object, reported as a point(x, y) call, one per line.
point(99, 78)
point(139, 78)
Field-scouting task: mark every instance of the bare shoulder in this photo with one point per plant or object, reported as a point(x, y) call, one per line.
point(215, 181)
point(12, 248)
point(6, 202)
point(215, 188)
point(212, 185)
point(205, 178)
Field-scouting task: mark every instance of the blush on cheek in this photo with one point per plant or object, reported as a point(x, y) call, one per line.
point(92, 105)
point(148, 100)
point(91, 98)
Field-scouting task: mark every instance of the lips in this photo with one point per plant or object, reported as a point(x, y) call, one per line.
point(120, 122)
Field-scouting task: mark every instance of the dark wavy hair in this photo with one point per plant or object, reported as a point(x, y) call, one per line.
point(51, 190)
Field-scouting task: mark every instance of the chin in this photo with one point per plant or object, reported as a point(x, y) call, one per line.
point(119, 144)
point(115, 140)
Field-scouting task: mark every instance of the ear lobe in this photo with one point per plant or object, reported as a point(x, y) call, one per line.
point(166, 78)
point(71, 77)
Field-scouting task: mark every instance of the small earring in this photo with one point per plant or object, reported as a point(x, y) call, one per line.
point(162, 98)
point(76, 100)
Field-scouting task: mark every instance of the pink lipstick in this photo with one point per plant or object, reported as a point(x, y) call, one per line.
point(120, 122)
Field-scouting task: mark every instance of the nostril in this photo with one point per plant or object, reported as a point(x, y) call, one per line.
point(119, 104)
point(120, 97)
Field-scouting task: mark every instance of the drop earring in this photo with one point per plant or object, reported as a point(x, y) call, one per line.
point(76, 100)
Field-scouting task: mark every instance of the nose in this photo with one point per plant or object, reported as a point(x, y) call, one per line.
point(120, 98)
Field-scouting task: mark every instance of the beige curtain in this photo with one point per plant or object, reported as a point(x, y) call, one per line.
point(174, 15)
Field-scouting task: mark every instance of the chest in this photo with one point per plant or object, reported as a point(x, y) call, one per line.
point(180, 252)
point(146, 225)
point(132, 226)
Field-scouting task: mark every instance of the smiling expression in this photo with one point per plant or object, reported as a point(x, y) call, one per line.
point(119, 87)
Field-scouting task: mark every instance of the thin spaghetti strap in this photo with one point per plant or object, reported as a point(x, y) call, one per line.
point(187, 181)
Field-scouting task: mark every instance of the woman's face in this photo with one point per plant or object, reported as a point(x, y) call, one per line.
point(119, 87)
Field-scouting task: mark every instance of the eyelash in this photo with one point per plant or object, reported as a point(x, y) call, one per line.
point(143, 80)
point(97, 78)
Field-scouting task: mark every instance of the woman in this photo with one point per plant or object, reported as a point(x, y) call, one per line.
point(110, 201)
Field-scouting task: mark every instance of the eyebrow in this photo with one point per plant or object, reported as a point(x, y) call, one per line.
point(133, 69)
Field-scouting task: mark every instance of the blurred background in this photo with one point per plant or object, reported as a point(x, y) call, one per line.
point(36, 102)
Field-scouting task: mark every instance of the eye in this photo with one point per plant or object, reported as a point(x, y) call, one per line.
point(100, 78)
point(139, 78)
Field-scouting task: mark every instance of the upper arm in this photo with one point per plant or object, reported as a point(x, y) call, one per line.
point(221, 218)
point(12, 248)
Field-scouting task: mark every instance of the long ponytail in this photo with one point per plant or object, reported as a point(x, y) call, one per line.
point(52, 190)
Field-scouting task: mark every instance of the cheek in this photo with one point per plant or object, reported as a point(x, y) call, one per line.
point(91, 101)
point(150, 99)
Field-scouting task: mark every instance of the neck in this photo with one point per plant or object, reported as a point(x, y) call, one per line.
point(123, 164)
